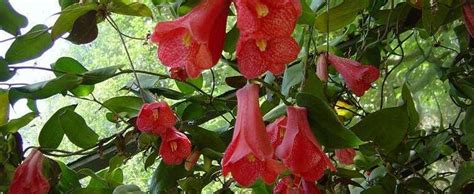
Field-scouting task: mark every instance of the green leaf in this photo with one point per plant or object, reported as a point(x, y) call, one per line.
point(231, 40)
point(15, 124)
point(29, 46)
point(410, 105)
point(325, 124)
point(340, 16)
point(124, 104)
point(45, 89)
point(293, 76)
point(416, 184)
point(69, 16)
point(165, 177)
point(168, 93)
point(93, 190)
point(433, 16)
point(132, 9)
point(4, 107)
point(77, 131)
point(127, 189)
point(52, 132)
point(5, 73)
point(10, 20)
point(464, 175)
point(68, 179)
point(204, 138)
point(342, 172)
point(99, 75)
point(276, 112)
point(70, 65)
point(308, 16)
point(314, 86)
point(193, 111)
point(84, 29)
point(467, 127)
point(66, 3)
point(387, 127)
point(187, 89)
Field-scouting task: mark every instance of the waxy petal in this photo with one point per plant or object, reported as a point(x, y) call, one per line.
point(276, 131)
point(468, 12)
point(346, 156)
point(175, 147)
point(155, 118)
point(29, 178)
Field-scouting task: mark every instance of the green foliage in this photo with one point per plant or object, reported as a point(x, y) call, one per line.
point(340, 16)
point(29, 46)
point(10, 20)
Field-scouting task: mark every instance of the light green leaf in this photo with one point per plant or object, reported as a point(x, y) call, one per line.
point(99, 75)
point(340, 16)
point(124, 104)
point(4, 107)
point(187, 89)
point(132, 9)
point(29, 46)
point(70, 65)
point(15, 124)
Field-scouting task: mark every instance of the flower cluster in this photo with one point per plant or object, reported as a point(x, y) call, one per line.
point(194, 42)
point(158, 119)
point(263, 152)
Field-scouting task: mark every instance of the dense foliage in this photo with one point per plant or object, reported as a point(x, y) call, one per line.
point(371, 96)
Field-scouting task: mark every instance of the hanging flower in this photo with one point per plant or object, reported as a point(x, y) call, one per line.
point(267, 18)
point(256, 56)
point(194, 41)
point(295, 185)
point(178, 73)
point(322, 68)
point(155, 118)
point(346, 156)
point(29, 178)
point(276, 131)
point(468, 12)
point(249, 155)
point(357, 76)
point(299, 150)
point(175, 147)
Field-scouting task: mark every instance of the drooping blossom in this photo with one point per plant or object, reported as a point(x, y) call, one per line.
point(250, 154)
point(468, 12)
point(256, 56)
point(357, 76)
point(322, 68)
point(267, 18)
point(194, 41)
point(299, 150)
point(155, 118)
point(276, 131)
point(178, 73)
point(29, 177)
point(296, 185)
point(345, 156)
point(191, 160)
point(175, 147)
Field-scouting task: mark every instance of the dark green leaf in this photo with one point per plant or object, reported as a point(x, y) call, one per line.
point(93, 190)
point(314, 86)
point(165, 177)
point(193, 111)
point(342, 172)
point(467, 127)
point(325, 124)
point(340, 16)
point(464, 175)
point(52, 132)
point(377, 189)
point(84, 29)
point(29, 46)
point(204, 138)
point(433, 15)
point(70, 65)
point(386, 127)
point(168, 93)
point(410, 105)
point(45, 89)
point(124, 104)
point(127, 189)
point(10, 20)
point(15, 124)
point(5, 73)
point(69, 16)
point(231, 40)
point(68, 180)
point(99, 75)
point(187, 89)
point(132, 9)
point(416, 184)
point(308, 16)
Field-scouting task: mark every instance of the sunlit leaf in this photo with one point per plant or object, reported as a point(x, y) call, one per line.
point(30, 45)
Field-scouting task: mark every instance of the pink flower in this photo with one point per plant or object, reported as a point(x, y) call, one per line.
point(155, 118)
point(468, 12)
point(357, 76)
point(175, 147)
point(178, 73)
point(322, 68)
point(194, 41)
point(297, 185)
point(276, 131)
point(249, 155)
point(299, 150)
point(346, 156)
point(29, 178)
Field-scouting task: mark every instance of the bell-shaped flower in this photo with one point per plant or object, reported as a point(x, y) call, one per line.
point(271, 18)
point(175, 147)
point(322, 68)
point(276, 131)
point(256, 56)
point(155, 118)
point(299, 150)
point(357, 76)
point(29, 177)
point(296, 185)
point(178, 73)
point(194, 41)
point(249, 155)
point(468, 12)
point(345, 156)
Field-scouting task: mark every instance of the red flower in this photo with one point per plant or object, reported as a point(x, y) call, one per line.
point(29, 178)
point(468, 12)
point(357, 76)
point(249, 155)
point(256, 56)
point(178, 73)
point(194, 41)
point(155, 118)
point(267, 17)
point(276, 131)
point(288, 185)
point(346, 156)
point(322, 68)
point(175, 147)
point(299, 150)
